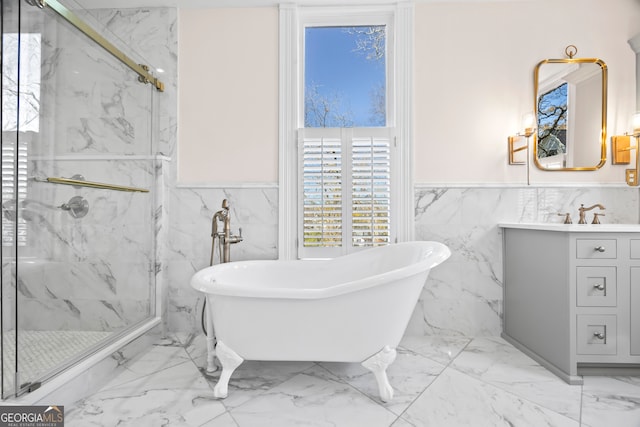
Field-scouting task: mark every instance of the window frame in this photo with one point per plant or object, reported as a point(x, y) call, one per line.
point(293, 21)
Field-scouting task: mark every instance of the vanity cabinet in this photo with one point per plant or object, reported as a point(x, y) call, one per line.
point(572, 296)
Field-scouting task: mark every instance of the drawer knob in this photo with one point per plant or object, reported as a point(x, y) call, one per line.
point(599, 248)
point(599, 286)
point(598, 335)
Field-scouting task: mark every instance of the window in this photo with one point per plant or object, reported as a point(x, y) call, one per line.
point(20, 118)
point(22, 82)
point(344, 129)
point(345, 76)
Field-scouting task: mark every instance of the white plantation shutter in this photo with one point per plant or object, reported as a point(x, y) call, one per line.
point(9, 231)
point(371, 190)
point(345, 190)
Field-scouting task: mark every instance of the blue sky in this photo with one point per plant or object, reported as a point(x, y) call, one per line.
point(332, 63)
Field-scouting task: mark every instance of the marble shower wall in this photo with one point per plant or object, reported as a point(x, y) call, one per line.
point(97, 272)
point(462, 297)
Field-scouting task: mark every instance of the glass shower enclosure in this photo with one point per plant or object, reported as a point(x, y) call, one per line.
point(78, 199)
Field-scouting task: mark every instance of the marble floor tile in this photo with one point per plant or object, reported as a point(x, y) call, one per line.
point(409, 375)
point(312, 398)
point(440, 349)
point(611, 401)
point(253, 378)
point(195, 345)
point(438, 381)
point(224, 420)
point(496, 362)
point(158, 358)
point(175, 396)
point(402, 423)
point(457, 399)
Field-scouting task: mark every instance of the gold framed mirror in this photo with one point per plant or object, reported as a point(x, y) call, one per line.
point(570, 106)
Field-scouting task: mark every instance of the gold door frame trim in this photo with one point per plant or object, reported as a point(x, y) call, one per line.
point(73, 19)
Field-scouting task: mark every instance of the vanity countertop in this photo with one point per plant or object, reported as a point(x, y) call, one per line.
point(583, 228)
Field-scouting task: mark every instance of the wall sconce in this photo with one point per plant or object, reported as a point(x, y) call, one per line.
point(520, 141)
point(621, 147)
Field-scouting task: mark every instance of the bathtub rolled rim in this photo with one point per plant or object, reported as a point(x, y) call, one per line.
point(204, 282)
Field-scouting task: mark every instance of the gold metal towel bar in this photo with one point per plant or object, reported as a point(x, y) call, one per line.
point(91, 184)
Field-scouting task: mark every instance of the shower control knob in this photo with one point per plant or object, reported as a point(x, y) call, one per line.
point(77, 206)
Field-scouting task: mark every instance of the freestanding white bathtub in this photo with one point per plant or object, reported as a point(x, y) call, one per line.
point(353, 308)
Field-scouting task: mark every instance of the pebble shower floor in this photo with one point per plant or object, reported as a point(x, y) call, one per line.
point(42, 351)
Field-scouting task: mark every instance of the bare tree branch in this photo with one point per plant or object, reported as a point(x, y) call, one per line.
point(322, 110)
point(372, 41)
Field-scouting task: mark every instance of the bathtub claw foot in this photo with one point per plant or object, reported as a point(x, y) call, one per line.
point(229, 360)
point(378, 364)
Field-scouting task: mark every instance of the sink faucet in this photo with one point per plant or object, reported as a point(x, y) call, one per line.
point(225, 236)
point(582, 210)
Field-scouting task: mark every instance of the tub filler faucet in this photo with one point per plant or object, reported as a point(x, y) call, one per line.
point(582, 210)
point(225, 237)
point(225, 240)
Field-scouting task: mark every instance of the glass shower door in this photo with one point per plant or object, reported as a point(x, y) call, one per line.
point(78, 214)
point(11, 187)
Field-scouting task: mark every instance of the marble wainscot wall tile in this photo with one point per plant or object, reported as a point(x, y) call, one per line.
point(252, 209)
point(621, 204)
point(463, 296)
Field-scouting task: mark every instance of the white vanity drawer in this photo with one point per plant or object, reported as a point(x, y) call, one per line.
point(596, 334)
point(596, 249)
point(596, 286)
point(635, 248)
